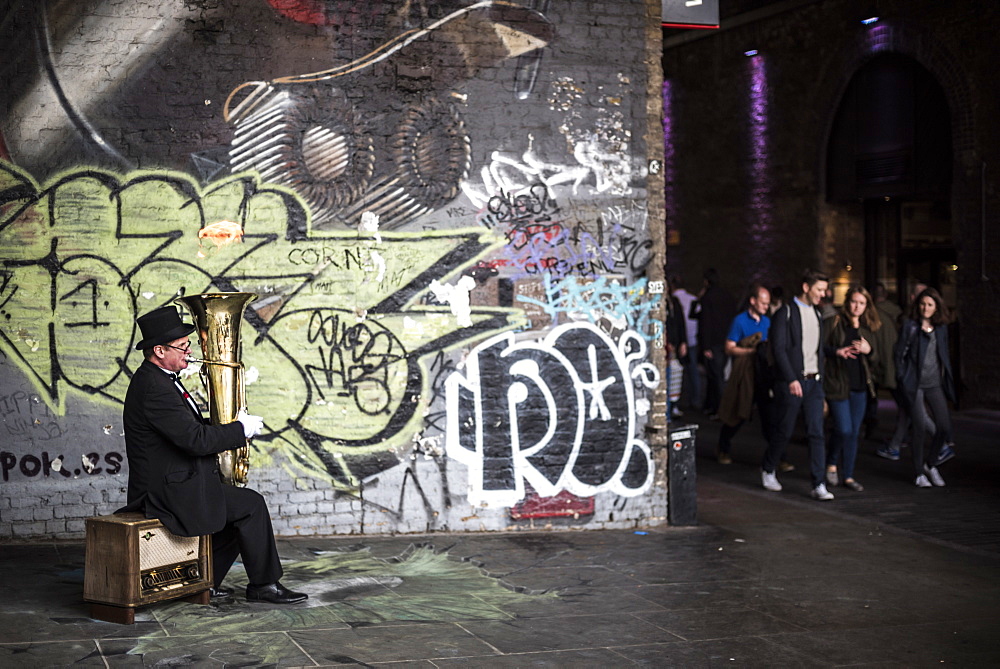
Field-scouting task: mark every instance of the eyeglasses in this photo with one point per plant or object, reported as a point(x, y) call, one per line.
point(185, 349)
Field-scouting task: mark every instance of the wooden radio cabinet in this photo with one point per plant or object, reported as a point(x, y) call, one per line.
point(133, 561)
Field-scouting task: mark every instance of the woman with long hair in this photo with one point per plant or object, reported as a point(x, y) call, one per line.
point(847, 379)
point(923, 372)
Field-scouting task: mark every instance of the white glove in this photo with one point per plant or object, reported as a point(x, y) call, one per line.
point(252, 425)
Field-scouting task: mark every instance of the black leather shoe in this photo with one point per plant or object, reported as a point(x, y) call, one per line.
point(275, 593)
point(220, 592)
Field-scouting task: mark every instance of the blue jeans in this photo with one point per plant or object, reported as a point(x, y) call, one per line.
point(786, 411)
point(847, 418)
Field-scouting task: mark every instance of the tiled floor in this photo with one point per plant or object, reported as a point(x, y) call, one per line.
point(770, 580)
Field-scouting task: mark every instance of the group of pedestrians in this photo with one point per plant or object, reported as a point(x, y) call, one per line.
point(805, 356)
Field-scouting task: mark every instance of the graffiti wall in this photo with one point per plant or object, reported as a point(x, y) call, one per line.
point(440, 206)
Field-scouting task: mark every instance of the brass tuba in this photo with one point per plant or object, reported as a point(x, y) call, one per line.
point(217, 319)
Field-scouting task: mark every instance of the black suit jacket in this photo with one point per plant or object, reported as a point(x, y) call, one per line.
point(173, 473)
point(785, 336)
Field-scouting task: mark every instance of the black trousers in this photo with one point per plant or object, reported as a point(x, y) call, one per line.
point(787, 408)
point(934, 400)
point(715, 376)
point(765, 411)
point(248, 534)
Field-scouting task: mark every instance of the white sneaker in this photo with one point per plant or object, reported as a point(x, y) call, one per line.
point(821, 493)
point(934, 475)
point(922, 482)
point(770, 481)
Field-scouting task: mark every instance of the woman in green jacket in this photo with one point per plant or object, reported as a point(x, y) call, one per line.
point(847, 380)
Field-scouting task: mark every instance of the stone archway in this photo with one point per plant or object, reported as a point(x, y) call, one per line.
point(889, 171)
point(964, 202)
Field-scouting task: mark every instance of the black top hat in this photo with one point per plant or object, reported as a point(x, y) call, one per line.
point(160, 326)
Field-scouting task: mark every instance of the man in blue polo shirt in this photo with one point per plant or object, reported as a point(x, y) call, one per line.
point(747, 331)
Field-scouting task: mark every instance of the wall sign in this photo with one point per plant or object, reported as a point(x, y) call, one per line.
point(690, 13)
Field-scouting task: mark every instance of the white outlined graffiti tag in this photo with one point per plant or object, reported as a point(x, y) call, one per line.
point(558, 413)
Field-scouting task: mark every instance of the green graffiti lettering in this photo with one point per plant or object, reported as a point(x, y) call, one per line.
point(338, 337)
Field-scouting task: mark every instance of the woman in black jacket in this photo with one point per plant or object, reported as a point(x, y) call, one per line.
point(851, 354)
point(923, 372)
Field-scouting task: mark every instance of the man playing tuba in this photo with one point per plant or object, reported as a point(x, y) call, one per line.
point(173, 470)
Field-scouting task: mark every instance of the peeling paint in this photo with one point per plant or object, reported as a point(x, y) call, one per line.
point(457, 297)
point(222, 233)
point(369, 223)
point(379, 263)
point(412, 327)
point(430, 447)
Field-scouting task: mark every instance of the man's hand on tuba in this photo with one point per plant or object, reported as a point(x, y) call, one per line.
point(252, 425)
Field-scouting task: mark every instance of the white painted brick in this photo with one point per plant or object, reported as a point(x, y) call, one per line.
point(106, 509)
point(19, 515)
point(276, 501)
point(307, 509)
point(303, 497)
point(25, 501)
point(71, 498)
point(325, 507)
point(29, 529)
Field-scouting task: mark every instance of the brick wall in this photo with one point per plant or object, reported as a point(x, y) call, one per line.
point(162, 148)
point(749, 192)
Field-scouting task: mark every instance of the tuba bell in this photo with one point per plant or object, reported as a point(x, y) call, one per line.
point(217, 318)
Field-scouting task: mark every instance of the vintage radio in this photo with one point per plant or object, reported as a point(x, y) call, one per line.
point(132, 561)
